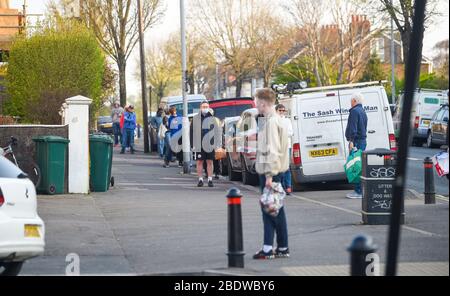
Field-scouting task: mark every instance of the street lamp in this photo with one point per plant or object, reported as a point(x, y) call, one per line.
point(185, 129)
point(144, 88)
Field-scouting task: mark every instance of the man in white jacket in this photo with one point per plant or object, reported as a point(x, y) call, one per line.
point(286, 177)
point(271, 161)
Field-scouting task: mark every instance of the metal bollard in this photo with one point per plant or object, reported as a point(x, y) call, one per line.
point(235, 237)
point(429, 192)
point(363, 258)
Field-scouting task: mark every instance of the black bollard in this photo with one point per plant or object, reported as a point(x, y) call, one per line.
point(235, 237)
point(360, 249)
point(429, 192)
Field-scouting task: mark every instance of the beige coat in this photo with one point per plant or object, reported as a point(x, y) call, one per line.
point(272, 157)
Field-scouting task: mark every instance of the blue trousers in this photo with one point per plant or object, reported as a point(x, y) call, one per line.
point(272, 224)
point(117, 133)
point(128, 138)
point(286, 178)
point(361, 145)
point(161, 145)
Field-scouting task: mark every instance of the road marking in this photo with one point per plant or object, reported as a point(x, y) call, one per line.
point(414, 159)
point(153, 184)
point(346, 210)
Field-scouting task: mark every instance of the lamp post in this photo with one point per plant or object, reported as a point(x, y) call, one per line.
point(144, 88)
point(185, 129)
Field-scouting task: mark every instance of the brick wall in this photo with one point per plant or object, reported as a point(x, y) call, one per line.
point(25, 134)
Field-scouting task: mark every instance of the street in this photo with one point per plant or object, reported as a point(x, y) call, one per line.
point(156, 221)
point(415, 177)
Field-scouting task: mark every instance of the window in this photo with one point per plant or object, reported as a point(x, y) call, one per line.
point(433, 101)
point(230, 111)
point(378, 48)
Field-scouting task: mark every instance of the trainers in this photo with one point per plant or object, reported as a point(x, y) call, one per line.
point(354, 195)
point(216, 177)
point(282, 254)
point(261, 255)
point(180, 164)
point(122, 152)
point(210, 184)
point(166, 165)
point(200, 183)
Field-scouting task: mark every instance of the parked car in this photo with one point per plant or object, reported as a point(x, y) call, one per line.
point(231, 107)
point(105, 124)
point(438, 128)
point(22, 231)
point(426, 103)
point(194, 102)
point(319, 117)
point(241, 150)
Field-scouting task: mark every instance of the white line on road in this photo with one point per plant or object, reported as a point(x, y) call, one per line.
point(345, 210)
point(414, 159)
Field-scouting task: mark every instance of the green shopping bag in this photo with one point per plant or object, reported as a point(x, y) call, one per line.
point(353, 167)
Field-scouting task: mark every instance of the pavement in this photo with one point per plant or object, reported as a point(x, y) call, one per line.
point(156, 221)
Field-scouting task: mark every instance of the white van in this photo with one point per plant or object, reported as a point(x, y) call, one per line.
point(319, 118)
point(426, 103)
point(194, 102)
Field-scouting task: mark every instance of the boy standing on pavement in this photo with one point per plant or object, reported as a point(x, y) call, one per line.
point(205, 138)
point(129, 127)
point(271, 161)
point(356, 134)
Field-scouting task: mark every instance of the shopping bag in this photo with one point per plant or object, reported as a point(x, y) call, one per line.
point(162, 132)
point(440, 162)
point(220, 154)
point(353, 167)
point(272, 199)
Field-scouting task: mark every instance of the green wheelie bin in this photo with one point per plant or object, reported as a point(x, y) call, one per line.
point(101, 153)
point(51, 153)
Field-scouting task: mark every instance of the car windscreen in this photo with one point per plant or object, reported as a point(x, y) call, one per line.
point(104, 119)
point(8, 169)
point(230, 111)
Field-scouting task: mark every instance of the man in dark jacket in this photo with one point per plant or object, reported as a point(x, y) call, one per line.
point(206, 136)
point(356, 134)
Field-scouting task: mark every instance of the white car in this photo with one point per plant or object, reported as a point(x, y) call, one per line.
point(22, 231)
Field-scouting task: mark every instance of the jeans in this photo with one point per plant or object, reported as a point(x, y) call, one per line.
point(160, 144)
point(117, 133)
point(286, 178)
point(272, 224)
point(361, 145)
point(128, 138)
point(168, 156)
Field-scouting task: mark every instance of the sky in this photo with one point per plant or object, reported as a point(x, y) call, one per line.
point(438, 31)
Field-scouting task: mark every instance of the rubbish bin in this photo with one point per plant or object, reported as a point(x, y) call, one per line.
point(377, 180)
point(51, 152)
point(101, 152)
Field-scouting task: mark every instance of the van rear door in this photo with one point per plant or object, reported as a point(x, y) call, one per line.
point(429, 104)
point(320, 133)
point(377, 111)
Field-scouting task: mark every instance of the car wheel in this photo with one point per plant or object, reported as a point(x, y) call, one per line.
point(10, 268)
point(232, 175)
point(430, 140)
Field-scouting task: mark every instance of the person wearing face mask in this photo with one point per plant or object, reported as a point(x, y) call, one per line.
point(206, 136)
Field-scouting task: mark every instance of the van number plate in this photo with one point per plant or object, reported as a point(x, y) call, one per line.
point(323, 152)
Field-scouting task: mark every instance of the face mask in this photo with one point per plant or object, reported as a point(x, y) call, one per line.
point(205, 111)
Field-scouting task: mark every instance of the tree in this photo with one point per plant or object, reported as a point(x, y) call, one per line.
point(268, 39)
point(297, 70)
point(373, 70)
point(402, 12)
point(223, 24)
point(61, 61)
point(115, 24)
point(441, 58)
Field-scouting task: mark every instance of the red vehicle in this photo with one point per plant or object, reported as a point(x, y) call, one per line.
point(231, 107)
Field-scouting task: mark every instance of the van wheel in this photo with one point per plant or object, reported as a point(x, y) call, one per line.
point(430, 141)
point(232, 175)
point(247, 177)
point(10, 268)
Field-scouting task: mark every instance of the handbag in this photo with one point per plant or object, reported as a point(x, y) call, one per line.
point(162, 132)
point(272, 199)
point(353, 167)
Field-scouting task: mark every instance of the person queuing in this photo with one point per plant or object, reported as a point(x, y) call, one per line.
point(129, 127)
point(175, 125)
point(116, 114)
point(271, 162)
point(156, 122)
point(205, 138)
point(286, 177)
